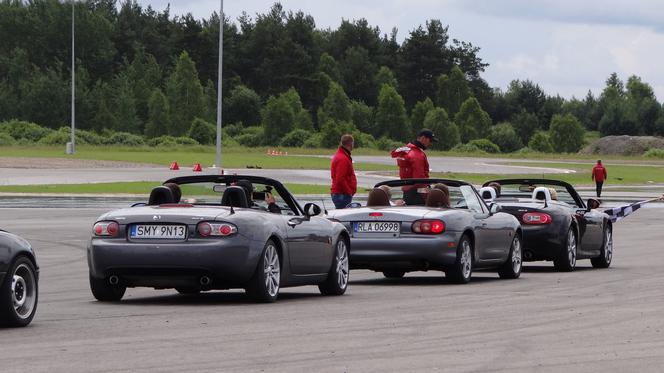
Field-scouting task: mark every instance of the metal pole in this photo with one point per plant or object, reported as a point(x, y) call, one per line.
point(73, 72)
point(219, 90)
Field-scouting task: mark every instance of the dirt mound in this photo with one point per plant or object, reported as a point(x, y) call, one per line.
point(623, 145)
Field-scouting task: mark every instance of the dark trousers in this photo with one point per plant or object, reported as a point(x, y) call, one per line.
point(413, 198)
point(598, 188)
point(341, 200)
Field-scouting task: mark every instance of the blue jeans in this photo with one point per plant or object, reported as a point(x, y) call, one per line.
point(341, 200)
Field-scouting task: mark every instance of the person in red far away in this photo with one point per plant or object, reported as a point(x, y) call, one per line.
point(599, 175)
point(413, 164)
point(344, 182)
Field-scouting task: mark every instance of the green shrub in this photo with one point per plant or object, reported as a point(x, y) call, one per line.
point(364, 140)
point(295, 138)
point(525, 150)
point(162, 140)
point(184, 140)
point(234, 129)
point(541, 142)
point(387, 144)
point(60, 137)
point(485, 145)
point(505, 137)
point(124, 139)
point(203, 132)
point(19, 129)
point(6, 140)
point(468, 148)
point(654, 153)
point(251, 137)
point(314, 141)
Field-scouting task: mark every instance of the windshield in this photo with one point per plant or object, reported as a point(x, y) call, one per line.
point(209, 193)
point(460, 196)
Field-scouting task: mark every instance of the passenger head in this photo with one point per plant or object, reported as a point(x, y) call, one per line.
point(495, 186)
point(554, 194)
point(387, 190)
point(378, 197)
point(175, 190)
point(437, 198)
point(443, 188)
point(247, 186)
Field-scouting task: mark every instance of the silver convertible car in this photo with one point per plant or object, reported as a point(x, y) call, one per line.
point(453, 231)
point(208, 232)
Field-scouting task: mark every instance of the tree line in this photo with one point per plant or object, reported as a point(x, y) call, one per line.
point(286, 82)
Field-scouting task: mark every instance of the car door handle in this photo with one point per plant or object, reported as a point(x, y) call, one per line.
point(294, 221)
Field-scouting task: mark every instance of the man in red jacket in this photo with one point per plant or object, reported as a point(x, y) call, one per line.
point(599, 175)
point(344, 183)
point(413, 164)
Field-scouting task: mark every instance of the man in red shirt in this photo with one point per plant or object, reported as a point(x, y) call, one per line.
point(344, 182)
point(599, 175)
point(413, 164)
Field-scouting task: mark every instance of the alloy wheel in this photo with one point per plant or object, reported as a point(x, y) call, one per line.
point(272, 270)
point(23, 291)
point(342, 264)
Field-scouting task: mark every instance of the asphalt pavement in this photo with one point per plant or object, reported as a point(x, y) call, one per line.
point(587, 321)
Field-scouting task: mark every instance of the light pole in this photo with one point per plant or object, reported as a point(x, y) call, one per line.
point(219, 91)
point(71, 148)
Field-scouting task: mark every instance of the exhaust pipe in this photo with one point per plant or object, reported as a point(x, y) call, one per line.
point(204, 281)
point(114, 280)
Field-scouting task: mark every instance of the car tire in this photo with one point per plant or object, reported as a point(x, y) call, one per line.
point(566, 260)
point(19, 294)
point(394, 274)
point(337, 279)
point(462, 270)
point(264, 285)
point(105, 292)
point(512, 267)
point(606, 254)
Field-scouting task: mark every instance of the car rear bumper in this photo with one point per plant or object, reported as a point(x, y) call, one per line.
point(409, 252)
point(540, 243)
point(226, 261)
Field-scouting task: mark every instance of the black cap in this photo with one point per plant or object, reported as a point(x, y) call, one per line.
point(427, 133)
point(246, 185)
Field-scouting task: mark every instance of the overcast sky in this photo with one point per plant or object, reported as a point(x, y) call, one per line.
point(566, 46)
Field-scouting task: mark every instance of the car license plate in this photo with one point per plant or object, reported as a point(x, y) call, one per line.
point(158, 231)
point(377, 227)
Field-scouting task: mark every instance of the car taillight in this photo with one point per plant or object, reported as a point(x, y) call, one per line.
point(536, 218)
point(106, 229)
point(428, 226)
point(206, 229)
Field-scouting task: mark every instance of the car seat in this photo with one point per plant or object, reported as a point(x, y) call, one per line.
point(542, 194)
point(161, 195)
point(234, 196)
point(488, 193)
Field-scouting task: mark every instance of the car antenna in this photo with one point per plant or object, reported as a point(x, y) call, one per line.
point(232, 210)
point(322, 200)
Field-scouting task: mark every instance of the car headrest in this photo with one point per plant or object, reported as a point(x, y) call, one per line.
point(542, 194)
point(235, 196)
point(437, 198)
point(378, 197)
point(161, 195)
point(488, 193)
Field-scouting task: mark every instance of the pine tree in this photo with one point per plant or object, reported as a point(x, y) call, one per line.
point(158, 111)
point(185, 95)
point(391, 119)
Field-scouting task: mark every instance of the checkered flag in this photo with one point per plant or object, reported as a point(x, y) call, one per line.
point(618, 213)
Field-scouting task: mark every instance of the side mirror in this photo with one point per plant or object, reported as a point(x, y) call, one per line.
point(592, 203)
point(311, 209)
point(494, 208)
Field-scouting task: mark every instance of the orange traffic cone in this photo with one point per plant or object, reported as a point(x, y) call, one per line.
point(197, 167)
point(174, 166)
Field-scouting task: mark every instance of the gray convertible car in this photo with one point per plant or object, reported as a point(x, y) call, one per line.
point(19, 276)
point(453, 231)
point(218, 232)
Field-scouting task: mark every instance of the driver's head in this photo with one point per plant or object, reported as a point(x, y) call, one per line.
point(247, 186)
point(175, 190)
point(496, 187)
